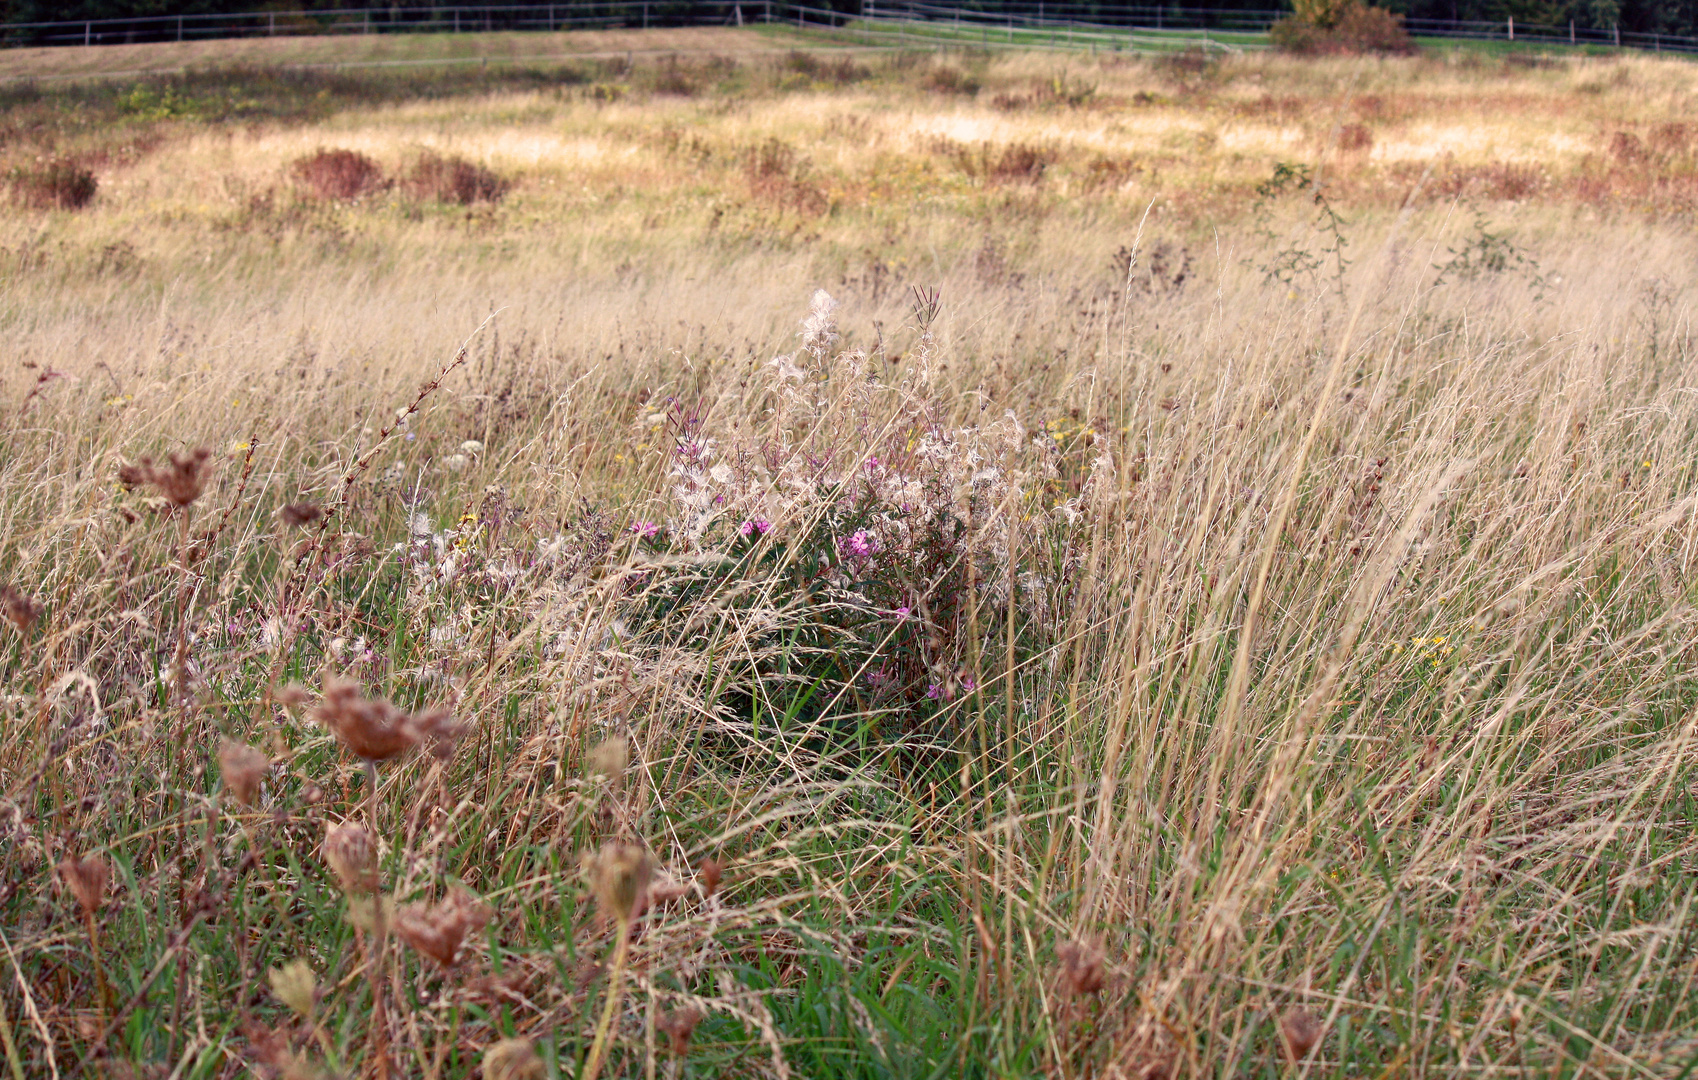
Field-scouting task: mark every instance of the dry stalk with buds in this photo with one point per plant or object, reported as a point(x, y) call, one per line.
point(619, 876)
point(87, 879)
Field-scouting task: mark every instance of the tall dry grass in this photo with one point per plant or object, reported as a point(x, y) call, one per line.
point(1161, 651)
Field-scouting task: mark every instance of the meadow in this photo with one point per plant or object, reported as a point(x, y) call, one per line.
point(716, 555)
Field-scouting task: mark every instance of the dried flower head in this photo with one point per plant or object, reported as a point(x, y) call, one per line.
point(437, 930)
point(295, 986)
point(679, 1025)
point(371, 728)
point(18, 608)
point(712, 870)
point(300, 514)
point(437, 731)
point(87, 878)
point(610, 759)
point(294, 695)
point(512, 1059)
point(1081, 968)
point(243, 767)
point(352, 856)
point(179, 482)
point(619, 876)
point(1301, 1032)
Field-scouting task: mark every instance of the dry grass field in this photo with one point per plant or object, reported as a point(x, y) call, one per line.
point(768, 560)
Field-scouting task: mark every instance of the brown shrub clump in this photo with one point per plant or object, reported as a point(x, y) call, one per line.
point(453, 179)
point(58, 184)
point(340, 175)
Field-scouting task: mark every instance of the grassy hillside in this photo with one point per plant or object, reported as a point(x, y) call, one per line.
point(882, 564)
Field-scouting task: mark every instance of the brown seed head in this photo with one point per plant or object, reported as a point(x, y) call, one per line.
point(679, 1025)
point(295, 986)
point(18, 608)
point(512, 1059)
point(1300, 1031)
point(438, 929)
point(371, 728)
point(1081, 968)
point(300, 514)
point(712, 870)
point(619, 876)
point(352, 856)
point(243, 767)
point(293, 695)
point(179, 482)
point(87, 879)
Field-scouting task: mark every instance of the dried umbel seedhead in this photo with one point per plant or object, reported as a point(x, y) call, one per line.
point(679, 1025)
point(619, 876)
point(243, 767)
point(1081, 971)
point(18, 608)
point(179, 482)
point(437, 731)
point(87, 878)
point(610, 759)
point(299, 515)
point(352, 856)
point(712, 871)
point(369, 727)
point(437, 930)
point(512, 1059)
point(1301, 1032)
point(295, 986)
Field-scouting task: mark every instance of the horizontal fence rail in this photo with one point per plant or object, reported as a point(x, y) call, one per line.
point(1018, 23)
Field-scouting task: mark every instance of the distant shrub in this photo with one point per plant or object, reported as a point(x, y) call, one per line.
point(1355, 137)
point(777, 174)
point(945, 79)
point(55, 185)
point(340, 175)
point(841, 71)
point(453, 179)
point(1341, 27)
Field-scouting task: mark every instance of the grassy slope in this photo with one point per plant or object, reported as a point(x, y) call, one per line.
point(1438, 795)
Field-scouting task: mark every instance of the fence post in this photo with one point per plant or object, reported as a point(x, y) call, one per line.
point(271, 29)
point(1615, 29)
point(1512, 28)
point(1571, 31)
point(179, 28)
point(88, 34)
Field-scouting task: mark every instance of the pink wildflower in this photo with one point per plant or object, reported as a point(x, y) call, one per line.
point(859, 546)
point(755, 527)
point(646, 530)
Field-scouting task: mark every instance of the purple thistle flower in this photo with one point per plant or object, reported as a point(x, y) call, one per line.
point(859, 546)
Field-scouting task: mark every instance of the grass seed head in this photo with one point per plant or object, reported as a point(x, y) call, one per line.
point(1081, 971)
point(437, 930)
point(18, 608)
point(295, 986)
point(243, 768)
point(352, 856)
point(87, 878)
point(679, 1025)
point(179, 483)
point(620, 875)
point(370, 728)
point(1300, 1031)
point(610, 759)
point(512, 1059)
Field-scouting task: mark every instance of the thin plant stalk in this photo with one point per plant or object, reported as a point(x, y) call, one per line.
point(615, 994)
